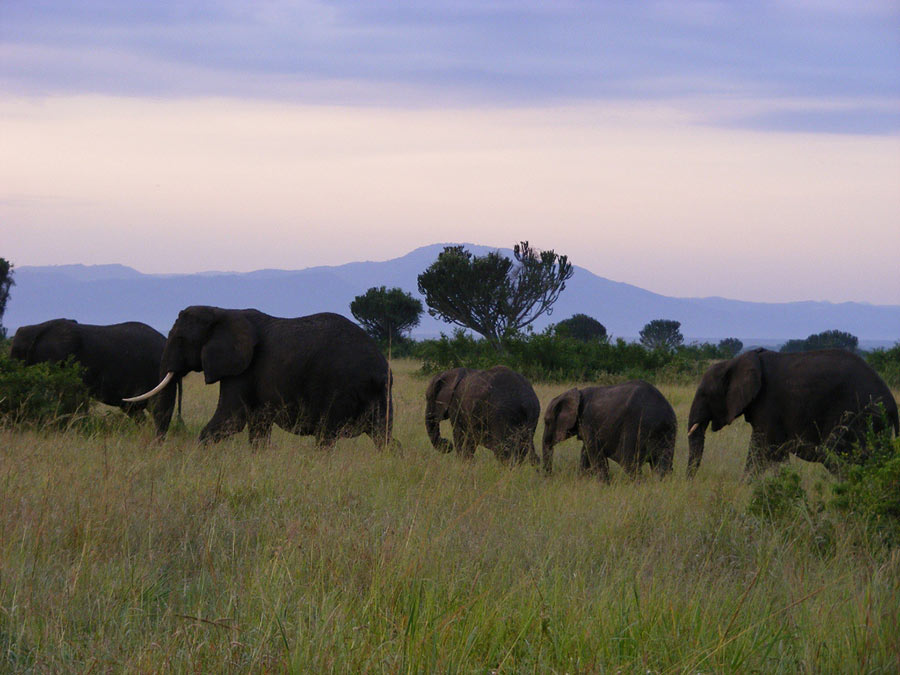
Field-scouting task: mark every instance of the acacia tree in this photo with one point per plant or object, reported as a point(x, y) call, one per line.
point(662, 334)
point(833, 339)
point(491, 294)
point(582, 327)
point(829, 339)
point(6, 282)
point(386, 314)
point(730, 347)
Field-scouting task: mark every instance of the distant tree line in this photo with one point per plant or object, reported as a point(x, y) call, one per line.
point(499, 298)
point(6, 282)
point(829, 339)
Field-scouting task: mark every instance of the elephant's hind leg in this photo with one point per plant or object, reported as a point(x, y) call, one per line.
point(381, 428)
point(661, 453)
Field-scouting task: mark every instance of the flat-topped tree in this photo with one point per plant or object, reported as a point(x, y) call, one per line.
point(6, 282)
point(582, 327)
point(386, 314)
point(662, 334)
point(493, 295)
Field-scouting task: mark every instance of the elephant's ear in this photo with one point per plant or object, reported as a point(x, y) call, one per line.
point(563, 413)
point(61, 337)
point(229, 349)
point(442, 391)
point(744, 383)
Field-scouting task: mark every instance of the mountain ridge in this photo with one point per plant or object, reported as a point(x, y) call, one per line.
point(111, 293)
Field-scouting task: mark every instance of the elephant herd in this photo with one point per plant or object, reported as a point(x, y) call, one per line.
point(322, 375)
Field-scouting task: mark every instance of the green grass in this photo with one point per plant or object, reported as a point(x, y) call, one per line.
point(121, 554)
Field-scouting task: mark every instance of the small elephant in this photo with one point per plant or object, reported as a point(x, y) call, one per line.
point(807, 403)
point(631, 423)
point(496, 408)
point(315, 375)
point(119, 361)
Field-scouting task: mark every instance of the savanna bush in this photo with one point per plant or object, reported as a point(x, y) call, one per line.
point(41, 394)
point(887, 363)
point(778, 496)
point(550, 357)
point(870, 488)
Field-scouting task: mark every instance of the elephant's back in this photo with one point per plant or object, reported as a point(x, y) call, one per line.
point(647, 403)
point(506, 381)
point(321, 357)
point(831, 373)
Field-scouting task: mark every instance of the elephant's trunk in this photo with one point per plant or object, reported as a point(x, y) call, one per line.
point(698, 420)
point(547, 449)
point(153, 392)
point(433, 427)
point(696, 442)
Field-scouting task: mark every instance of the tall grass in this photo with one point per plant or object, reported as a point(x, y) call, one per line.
point(119, 553)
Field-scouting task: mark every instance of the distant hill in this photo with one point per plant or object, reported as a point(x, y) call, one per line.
point(113, 293)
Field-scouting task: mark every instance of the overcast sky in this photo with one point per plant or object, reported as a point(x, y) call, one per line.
point(748, 150)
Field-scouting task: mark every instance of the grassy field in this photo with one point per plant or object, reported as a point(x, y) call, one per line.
point(120, 554)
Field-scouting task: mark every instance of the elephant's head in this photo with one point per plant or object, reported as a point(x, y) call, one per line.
point(438, 398)
point(50, 341)
point(725, 391)
point(218, 342)
point(560, 423)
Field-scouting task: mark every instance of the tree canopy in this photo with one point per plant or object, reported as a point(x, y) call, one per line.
point(6, 282)
point(829, 339)
point(662, 334)
point(730, 347)
point(581, 327)
point(491, 294)
point(386, 314)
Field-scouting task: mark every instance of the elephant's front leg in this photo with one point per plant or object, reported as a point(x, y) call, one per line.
point(594, 461)
point(464, 440)
point(260, 428)
point(230, 416)
point(761, 454)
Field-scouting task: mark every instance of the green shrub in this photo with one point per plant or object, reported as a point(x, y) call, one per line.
point(550, 357)
point(41, 394)
point(887, 363)
point(778, 497)
point(870, 489)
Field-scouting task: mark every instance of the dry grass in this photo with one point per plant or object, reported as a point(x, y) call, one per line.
point(117, 553)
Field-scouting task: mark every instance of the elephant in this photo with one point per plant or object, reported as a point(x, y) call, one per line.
point(318, 375)
point(807, 403)
point(496, 408)
point(631, 423)
point(119, 361)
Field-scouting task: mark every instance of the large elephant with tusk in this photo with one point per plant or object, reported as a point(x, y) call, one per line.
point(315, 375)
point(811, 404)
point(118, 361)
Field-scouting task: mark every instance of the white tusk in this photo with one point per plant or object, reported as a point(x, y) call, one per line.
point(693, 428)
point(153, 392)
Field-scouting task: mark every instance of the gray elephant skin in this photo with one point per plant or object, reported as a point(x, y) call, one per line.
point(496, 408)
point(317, 375)
point(631, 423)
point(806, 403)
point(120, 360)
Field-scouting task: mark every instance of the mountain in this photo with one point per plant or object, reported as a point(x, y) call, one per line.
point(112, 293)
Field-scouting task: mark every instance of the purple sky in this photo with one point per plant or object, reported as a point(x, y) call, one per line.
point(750, 150)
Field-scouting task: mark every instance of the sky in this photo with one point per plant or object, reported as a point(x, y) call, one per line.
point(693, 148)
